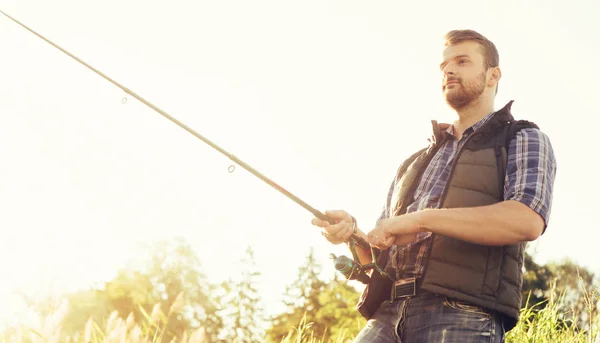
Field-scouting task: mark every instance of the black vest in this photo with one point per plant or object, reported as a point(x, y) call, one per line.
point(486, 276)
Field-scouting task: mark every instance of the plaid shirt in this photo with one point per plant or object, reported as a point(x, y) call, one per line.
point(530, 173)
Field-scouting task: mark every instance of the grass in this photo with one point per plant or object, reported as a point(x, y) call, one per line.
point(551, 324)
point(538, 324)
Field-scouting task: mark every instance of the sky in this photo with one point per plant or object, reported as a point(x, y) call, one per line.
point(324, 97)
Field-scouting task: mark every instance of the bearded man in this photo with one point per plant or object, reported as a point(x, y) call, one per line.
point(458, 215)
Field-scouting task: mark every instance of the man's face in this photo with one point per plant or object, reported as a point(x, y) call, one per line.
point(463, 74)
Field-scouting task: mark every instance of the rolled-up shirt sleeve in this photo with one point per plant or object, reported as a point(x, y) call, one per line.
point(530, 171)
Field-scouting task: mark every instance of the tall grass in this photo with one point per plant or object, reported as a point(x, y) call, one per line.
point(545, 324)
point(114, 329)
point(303, 334)
point(539, 324)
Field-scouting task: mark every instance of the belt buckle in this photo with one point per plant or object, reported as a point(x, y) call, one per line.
point(404, 288)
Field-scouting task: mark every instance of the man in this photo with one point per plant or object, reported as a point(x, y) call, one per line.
point(458, 216)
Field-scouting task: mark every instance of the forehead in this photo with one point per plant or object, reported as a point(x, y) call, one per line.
point(468, 48)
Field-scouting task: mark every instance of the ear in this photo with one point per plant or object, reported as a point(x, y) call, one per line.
point(495, 75)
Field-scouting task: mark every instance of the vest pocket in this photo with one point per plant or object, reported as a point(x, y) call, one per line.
point(491, 279)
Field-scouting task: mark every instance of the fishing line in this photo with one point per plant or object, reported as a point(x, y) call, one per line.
point(352, 271)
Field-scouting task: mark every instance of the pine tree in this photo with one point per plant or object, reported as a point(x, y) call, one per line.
point(301, 297)
point(338, 310)
point(242, 311)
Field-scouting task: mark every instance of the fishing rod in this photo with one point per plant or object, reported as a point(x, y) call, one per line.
point(351, 269)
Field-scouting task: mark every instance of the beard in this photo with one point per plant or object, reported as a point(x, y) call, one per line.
point(465, 92)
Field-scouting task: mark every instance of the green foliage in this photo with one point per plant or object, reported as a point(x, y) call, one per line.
point(151, 328)
point(301, 299)
point(175, 270)
point(327, 307)
point(338, 309)
point(545, 323)
point(575, 281)
point(168, 299)
point(536, 282)
point(304, 334)
point(170, 282)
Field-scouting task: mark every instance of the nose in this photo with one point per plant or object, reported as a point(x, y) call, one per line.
point(448, 70)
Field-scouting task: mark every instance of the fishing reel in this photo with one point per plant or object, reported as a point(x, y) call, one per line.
point(351, 268)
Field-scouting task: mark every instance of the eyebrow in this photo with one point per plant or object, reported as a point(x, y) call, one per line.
point(455, 57)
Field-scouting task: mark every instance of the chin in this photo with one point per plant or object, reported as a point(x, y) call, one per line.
point(456, 102)
point(450, 99)
point(449, 92)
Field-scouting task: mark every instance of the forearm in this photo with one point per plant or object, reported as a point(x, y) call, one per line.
point(507, 222)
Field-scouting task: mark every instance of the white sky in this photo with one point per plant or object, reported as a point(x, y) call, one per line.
point(324, 97)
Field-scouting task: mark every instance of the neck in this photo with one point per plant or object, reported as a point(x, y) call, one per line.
point(471, 114)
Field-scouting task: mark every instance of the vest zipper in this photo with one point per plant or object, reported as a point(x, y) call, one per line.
point(443, 199)
point(454, 163)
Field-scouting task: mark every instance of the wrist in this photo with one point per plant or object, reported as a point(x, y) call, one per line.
point(355, 231)
point(424, 219)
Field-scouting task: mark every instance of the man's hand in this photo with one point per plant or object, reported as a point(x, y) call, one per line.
point(337, 232)
point(398, 230)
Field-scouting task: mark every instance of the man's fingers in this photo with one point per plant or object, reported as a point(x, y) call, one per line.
point(389, 241)
point(373, 236)
point(335, 228)
point(340, 231)
point(319, 222)
point(338, 227)
point(404, 239)
point(383, 243)
point(338, 215)
point(375, 233)
point(347, 233)
point(377, 238)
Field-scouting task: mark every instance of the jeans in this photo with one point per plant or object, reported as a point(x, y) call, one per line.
point(431, 318)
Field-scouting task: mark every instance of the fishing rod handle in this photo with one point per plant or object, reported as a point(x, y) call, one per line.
point(361, 242)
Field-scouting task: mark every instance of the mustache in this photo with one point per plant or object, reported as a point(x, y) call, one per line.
point(450, 79)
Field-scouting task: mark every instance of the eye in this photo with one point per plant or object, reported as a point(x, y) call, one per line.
point(462, 61)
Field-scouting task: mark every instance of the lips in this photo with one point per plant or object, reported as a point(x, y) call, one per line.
point(450, 83)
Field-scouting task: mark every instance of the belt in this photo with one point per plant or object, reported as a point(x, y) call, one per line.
point(403, 288)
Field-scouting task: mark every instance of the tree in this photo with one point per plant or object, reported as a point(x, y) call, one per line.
point(575, 283)
point(242, 309)
point(536, 283)
point(338, 309)
point(171, 279)
point(328, 307)
point(174, 270)
point(301, 298)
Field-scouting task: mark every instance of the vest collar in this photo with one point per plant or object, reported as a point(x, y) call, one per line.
point(504, 114)
point(501, 117)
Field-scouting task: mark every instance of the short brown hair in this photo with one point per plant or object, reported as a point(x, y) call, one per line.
point(490, 54)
